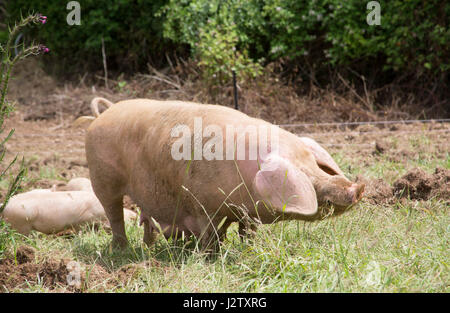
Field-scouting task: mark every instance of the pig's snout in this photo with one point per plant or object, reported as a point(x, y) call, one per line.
point(356, 192)
point(340, 192)
point(351, 195)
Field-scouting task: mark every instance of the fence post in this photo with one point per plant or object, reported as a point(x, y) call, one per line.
point(235, 91)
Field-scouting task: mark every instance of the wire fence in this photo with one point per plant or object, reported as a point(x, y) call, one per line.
point(348, 132)
point(443, 120)
point(376, 132)
point(394, 132)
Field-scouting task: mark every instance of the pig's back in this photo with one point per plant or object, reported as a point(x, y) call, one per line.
point(136, 128)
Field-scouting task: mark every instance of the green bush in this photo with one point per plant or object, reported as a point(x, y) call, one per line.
point(214, 31)
point(131, 33)
point(412, 37)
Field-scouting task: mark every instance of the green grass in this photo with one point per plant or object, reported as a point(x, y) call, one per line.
point(392, 248)
point(403, 248)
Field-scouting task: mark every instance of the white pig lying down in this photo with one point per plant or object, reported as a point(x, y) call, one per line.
point(134, 148)
point(50, 212)
point(77, 183)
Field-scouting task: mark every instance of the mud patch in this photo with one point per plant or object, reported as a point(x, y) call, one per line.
point(377, 191)
point(21, 271)
point(380, 147)
point(416, 184)
point(128, 272)
point(25, 254)
point(419, 185)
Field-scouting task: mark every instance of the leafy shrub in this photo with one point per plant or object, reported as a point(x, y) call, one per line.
point(132, 35)
point(293, 26)
point(213, 30)
point(223, 35)
point(413, 35)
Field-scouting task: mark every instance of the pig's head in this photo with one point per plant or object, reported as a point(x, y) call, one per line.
point(332, 187)
point(296, 193)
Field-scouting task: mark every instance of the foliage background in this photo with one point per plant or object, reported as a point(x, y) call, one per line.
point(413, 36)
point(131, 32)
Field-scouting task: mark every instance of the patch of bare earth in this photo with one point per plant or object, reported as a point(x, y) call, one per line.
point(22, 270)
point(420, 185)
point(415, 185)
point(129, 272)
point(377, 191)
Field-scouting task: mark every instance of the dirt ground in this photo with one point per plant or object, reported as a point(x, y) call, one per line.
point(23, 267)
point(54, 151)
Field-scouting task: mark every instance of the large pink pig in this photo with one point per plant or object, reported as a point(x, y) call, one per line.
point(181, 163)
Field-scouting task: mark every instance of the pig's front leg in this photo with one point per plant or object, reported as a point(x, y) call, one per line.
point(247, 230)
point(222, 232)
point(149, 233)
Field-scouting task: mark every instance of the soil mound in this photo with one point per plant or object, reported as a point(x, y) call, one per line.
point(18, 271)
point(416, 184)
point(22, 270)
point(419, 185)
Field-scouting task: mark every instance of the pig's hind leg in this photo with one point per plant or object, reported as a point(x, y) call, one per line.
point(110, 191)
point(114, 211)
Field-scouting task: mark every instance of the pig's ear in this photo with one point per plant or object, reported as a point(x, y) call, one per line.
point(323, 158)
point(285, 188)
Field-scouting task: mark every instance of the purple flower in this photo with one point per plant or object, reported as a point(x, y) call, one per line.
point(43, 49)
point(42, 18)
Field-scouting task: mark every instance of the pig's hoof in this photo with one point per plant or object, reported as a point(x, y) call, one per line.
point(119, 243)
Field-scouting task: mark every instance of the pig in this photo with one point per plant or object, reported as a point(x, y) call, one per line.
point(129, 151)
point(50, 211)
point(77, 183)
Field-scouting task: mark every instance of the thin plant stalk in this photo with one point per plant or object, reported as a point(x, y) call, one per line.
point(7, 62)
